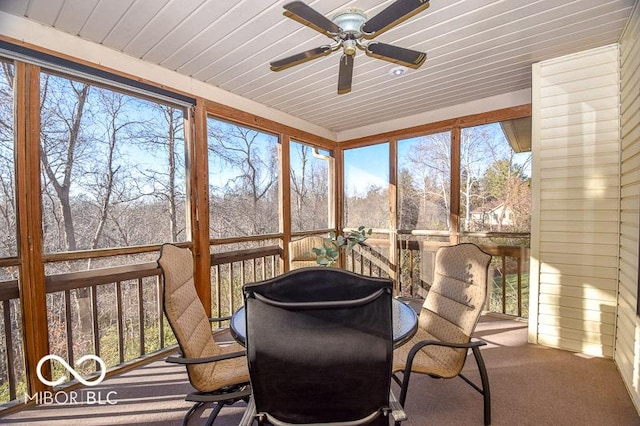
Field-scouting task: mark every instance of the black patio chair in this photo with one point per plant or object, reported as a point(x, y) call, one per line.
point(319, 349)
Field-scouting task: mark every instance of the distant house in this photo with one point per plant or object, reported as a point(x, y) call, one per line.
point(491, 217)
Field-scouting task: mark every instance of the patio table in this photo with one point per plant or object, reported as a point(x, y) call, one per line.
point(405, 323)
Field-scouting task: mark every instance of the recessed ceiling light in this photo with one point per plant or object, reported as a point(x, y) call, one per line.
point(398, 71)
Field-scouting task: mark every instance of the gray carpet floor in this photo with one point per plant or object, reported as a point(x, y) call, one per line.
point(530, 385)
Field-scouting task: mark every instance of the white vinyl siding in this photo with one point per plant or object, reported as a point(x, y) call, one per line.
point(576, 147)
point(627, 353)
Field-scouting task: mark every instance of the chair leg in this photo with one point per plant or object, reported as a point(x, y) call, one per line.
point(214, 413)
point(249, 414)
point(192, 410)
point(486, 393)
point(406, 375)
point(212, 417)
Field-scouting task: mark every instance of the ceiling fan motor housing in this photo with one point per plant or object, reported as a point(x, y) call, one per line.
point(350, 22)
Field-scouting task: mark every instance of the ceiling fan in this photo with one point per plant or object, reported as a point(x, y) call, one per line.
point(351, 29)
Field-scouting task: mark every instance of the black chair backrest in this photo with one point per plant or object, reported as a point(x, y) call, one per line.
point(319, 345)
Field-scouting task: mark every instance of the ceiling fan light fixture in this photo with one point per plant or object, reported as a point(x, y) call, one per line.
point(349, 47)
point(352, 30)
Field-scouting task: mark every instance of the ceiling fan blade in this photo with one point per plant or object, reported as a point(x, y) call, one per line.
point(395, 13)
point(310, 17)
point(345, 75)
point(299, 58)
point(395, 54)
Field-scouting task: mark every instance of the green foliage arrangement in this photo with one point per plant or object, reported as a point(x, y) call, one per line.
point(328, 254)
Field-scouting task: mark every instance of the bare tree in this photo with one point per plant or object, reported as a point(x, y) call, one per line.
point(309, 189)
point(169, 115)
point(478, 149)
point(408, 201)
point(370, 209)
point(164, 133)
point(429, 162)
point(247, 203)
point(299, 189)
point(62, 111)
point(8, 241)
point(113, 104)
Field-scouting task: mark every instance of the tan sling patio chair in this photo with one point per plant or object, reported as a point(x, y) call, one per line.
point(301, 254)
point(447, 320)
point(219, 374)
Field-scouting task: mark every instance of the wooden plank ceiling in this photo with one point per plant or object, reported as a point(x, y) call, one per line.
point(475, 48)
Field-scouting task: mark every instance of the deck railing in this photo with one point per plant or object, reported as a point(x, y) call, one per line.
point(11, 353)
point(231, 270)
point(509, 271)
point(116, 313)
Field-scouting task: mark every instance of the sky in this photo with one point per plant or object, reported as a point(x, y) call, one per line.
point(364, 167)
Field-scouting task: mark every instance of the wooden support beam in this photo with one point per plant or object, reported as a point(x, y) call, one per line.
point(198, 170)
point(285, 199)
point(338, 193)
point(30, 246)
point(479, 119)
point(393, 211)
point(238, 116)
point(454, 195)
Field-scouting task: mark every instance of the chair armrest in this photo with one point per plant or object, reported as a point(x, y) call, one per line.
point(189, 361)
point(416, 347)
point(397, 412)
point(219, 329)
point(471, 344)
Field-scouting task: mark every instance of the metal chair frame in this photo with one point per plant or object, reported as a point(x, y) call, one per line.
point(473, 344)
